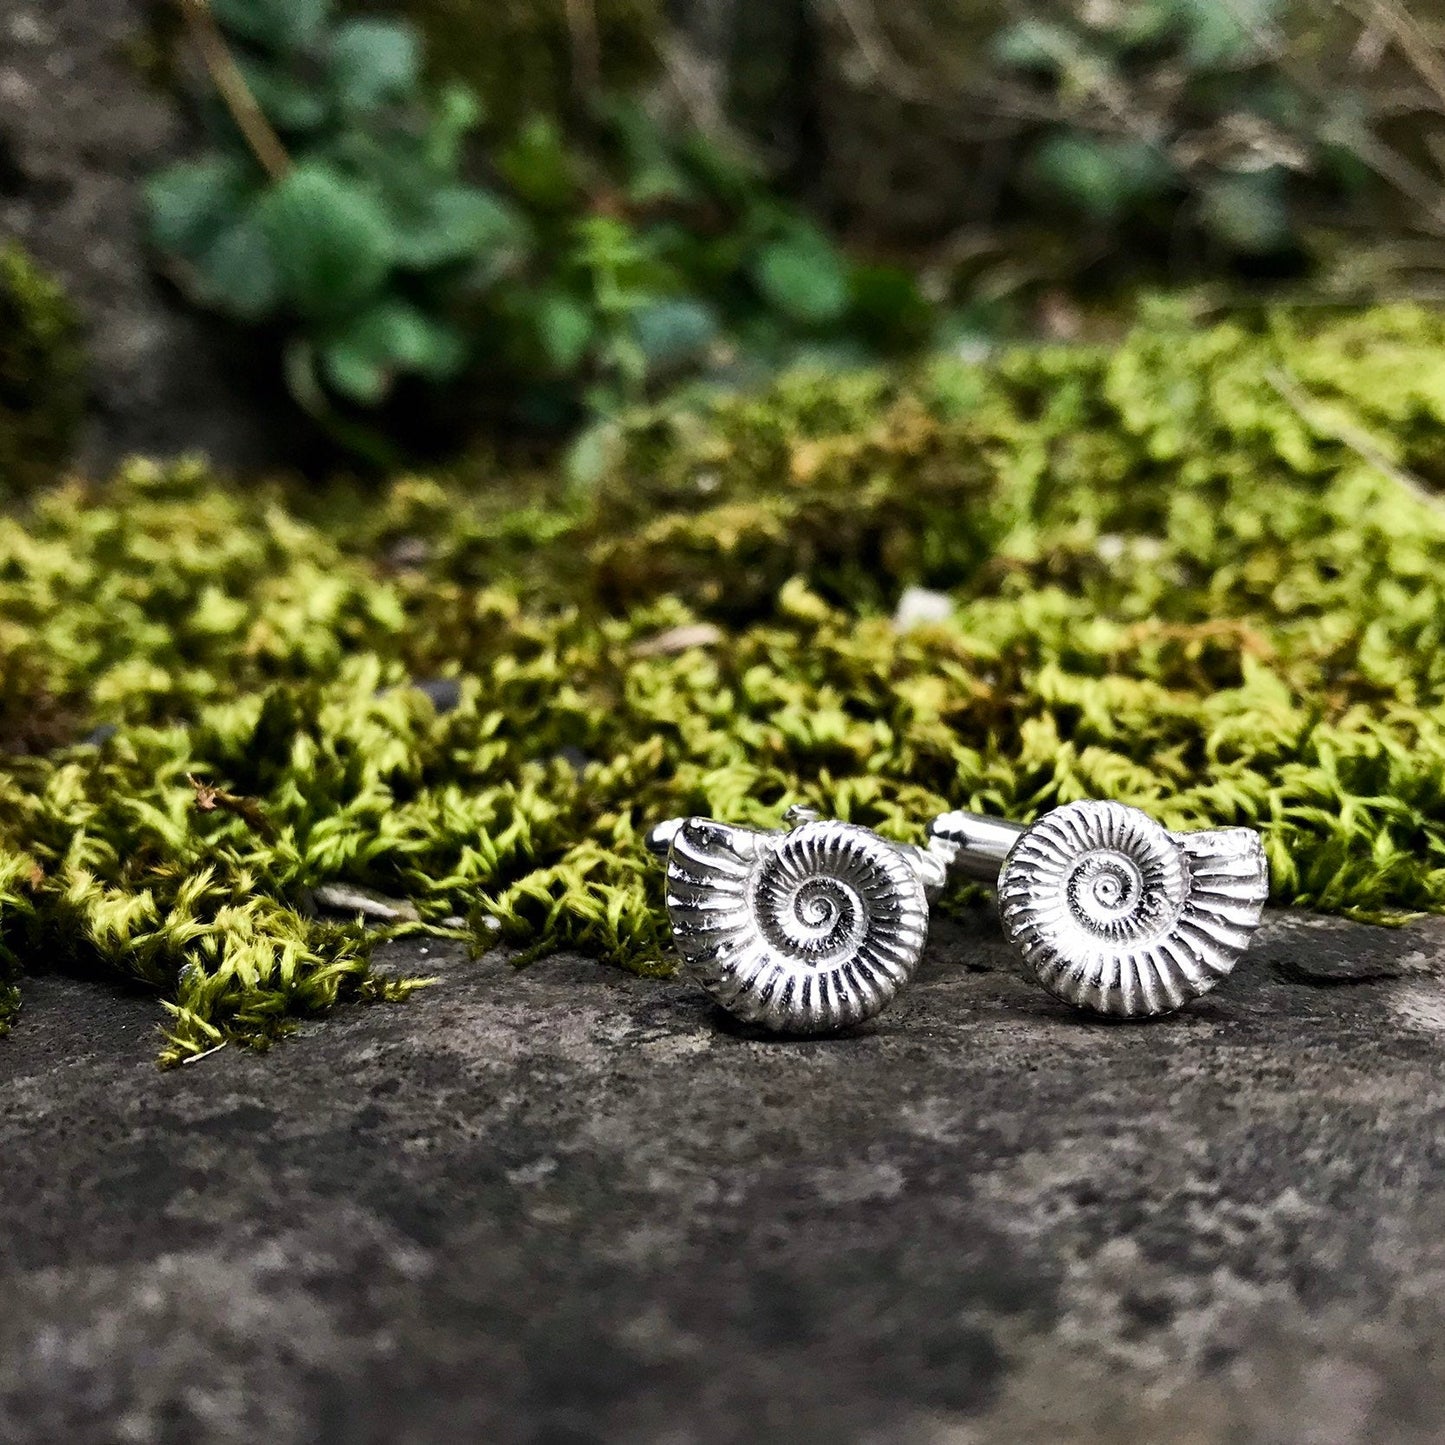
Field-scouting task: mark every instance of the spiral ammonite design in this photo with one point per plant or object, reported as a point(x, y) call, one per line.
point(803, 932)
point(1118, 915)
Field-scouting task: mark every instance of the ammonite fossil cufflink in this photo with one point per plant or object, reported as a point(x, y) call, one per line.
point(805, 930)
point(1114, 913)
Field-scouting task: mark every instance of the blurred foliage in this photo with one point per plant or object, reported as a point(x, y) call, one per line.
point(563, 282)
point(1181, 113)
point(525, 56)
point(1202, 573)
point(1084, 148)
point(42, 375)
point(659, 256)
point(336, 211)
point(430, 272)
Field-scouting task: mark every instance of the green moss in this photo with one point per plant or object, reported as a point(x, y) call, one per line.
point(1202, 574)
point(41, 374)
point(518, 55)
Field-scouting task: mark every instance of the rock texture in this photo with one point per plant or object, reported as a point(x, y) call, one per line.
point(80, 129)
point(569, 1205)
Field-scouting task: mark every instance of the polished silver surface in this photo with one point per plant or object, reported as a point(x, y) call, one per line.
point(802, 931)
point(971, 845)
point(1113, 912)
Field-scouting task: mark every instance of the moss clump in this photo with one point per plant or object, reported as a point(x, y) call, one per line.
point(42, 390)
point(519, 56)
point(1203, 574)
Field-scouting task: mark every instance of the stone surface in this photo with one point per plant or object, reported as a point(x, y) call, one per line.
point(80, 129)
point(569, 1205)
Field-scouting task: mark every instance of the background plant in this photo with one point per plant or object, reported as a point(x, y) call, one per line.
point(1050, 151)
point(338, 207)
point(445, 272)
point(332, 206)
point(1175, 113)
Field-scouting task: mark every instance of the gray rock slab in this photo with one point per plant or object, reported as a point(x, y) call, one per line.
point(566, 1204)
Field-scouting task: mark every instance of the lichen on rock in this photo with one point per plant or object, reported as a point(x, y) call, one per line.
point(42, 387)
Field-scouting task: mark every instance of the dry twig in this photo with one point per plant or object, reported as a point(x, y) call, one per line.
point(210, 799)
point(586, 49)
point(231, 85)
point(1311, 411)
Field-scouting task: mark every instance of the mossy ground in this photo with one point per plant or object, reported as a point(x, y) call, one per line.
point(1202, 573)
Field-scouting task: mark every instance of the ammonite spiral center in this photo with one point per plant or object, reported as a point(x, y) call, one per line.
point(816, 919)
point(1121, 897)
point(1096, 876)
point(1103, 885)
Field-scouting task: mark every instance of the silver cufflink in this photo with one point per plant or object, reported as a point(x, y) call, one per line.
point(1114, 913)
point(803, 930)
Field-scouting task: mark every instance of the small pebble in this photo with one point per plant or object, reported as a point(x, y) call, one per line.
point(919, 607)
point(338, 898)
point(445, 692)
point(677, 639)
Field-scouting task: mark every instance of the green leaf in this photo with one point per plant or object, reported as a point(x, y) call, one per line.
point(299, 363)
point(566, 328)
point(1248, 213)
point(1222, 35)
point(621, 265)
point(187, 204)
point(652, 174)
point(390, 338)
point(331, 238)
point(452, 223)
point(456, 112)
point(276, 24)
point(674, 331)
point(804, 277)
point(374, 62)
point(434, 348)
point(1344, 138)
point(724, 172)
point(539, 168)
point(596, 451)
point(357, 377)
point(1036, 45)
point(1105, 179)
point(1145, 24)
point(887, 307)
point(286, 102)
point(237, 272)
